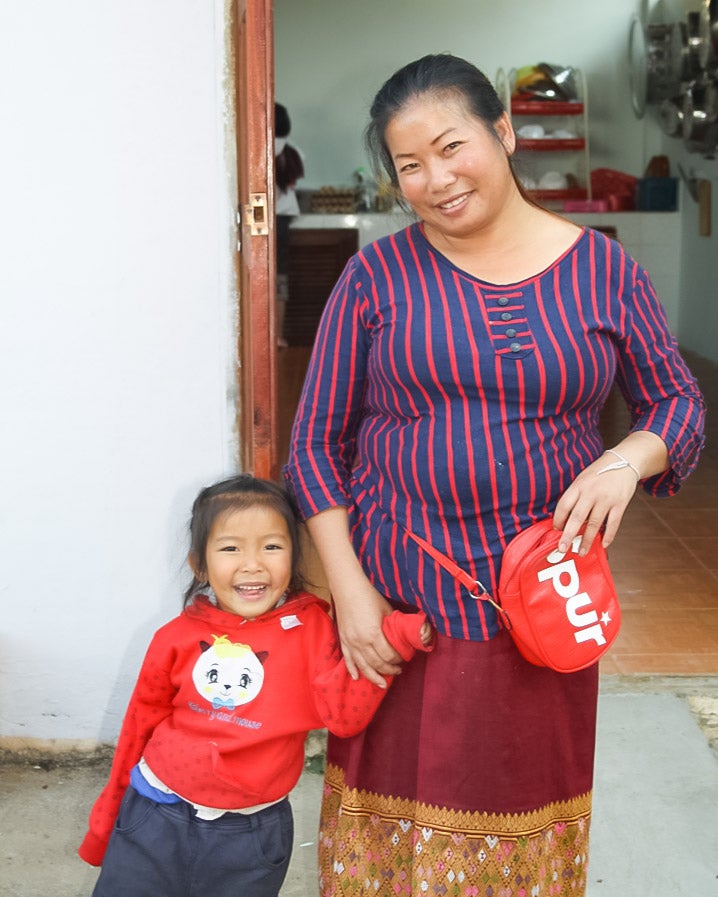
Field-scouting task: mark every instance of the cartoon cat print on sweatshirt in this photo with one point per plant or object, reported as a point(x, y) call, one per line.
point(228, 674)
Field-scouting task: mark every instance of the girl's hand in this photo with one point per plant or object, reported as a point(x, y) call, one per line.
point(360, 610)
point(426, 633)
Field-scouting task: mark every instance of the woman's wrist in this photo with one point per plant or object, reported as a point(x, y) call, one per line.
point(643, 452)
point(620, 463)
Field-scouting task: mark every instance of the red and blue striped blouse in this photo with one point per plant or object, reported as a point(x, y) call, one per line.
point(461, 410)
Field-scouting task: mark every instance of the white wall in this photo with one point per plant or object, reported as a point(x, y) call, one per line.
point(116, 341)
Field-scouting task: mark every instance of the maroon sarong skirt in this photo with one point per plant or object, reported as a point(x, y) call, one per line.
point(474, 779)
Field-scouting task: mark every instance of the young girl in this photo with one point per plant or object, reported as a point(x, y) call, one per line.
point(213, 739)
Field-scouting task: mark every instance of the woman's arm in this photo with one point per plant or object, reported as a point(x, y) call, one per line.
point(602, 492)
point(359, 607)
point(667, 416)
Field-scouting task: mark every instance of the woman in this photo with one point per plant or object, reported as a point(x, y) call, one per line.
point(454, 392)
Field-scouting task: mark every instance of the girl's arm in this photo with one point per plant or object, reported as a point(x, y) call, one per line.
point(360, 609)
point(151, 702)
point(346, 705)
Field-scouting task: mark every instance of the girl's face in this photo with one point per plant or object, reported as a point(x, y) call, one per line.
point(451, 168)
point(248, 560)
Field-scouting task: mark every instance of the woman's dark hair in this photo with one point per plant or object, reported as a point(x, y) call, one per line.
point(439, 75)
point(237, 494)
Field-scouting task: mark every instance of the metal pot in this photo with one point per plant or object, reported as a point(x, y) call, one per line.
point(698, 37)
point(712, 61)
point(700, 117)
point(670, 117)
point(661, 81)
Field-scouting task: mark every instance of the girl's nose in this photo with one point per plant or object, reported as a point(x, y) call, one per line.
point(250, 561)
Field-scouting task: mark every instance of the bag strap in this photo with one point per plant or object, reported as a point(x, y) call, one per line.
point(475, 587)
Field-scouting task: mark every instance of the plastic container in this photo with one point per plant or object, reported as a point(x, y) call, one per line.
point(657, 194)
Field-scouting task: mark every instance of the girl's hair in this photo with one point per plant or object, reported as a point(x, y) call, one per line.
point(238, 494)
point(436, 75)
point(288, 168)
point(288, 164)
point(282, 122)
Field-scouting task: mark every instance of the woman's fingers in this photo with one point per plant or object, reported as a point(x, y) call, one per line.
point(590, 503)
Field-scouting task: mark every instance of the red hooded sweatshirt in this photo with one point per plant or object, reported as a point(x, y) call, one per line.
point(223, 705)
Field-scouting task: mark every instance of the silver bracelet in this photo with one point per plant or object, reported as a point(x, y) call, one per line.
point(618, 465)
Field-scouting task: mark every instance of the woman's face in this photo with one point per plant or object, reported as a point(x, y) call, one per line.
point(451, 168)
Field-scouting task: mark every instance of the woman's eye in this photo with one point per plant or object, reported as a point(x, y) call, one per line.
point(229, 548)
point(454, 145)
point(410, 166)
point(273, 547)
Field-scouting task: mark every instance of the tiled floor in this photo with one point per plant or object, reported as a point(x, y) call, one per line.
point(665, 560)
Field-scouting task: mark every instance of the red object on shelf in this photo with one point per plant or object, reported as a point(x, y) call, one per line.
point(557, 195)
point(546, 107)
point(616, 187)
point(552, 144)
point(585, 205)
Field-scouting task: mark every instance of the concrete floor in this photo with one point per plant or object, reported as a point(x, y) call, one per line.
point(655, 821)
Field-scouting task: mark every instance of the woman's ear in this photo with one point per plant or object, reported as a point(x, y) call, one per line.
point(504, 130)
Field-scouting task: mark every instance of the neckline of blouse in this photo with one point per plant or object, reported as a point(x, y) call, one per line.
point(418, 227)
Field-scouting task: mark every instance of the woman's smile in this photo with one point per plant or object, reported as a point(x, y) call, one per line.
point(457, 201)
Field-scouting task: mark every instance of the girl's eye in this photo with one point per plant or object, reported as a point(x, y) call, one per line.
point(273, 547)
point(229, 548)
point(454, 145)
point(410, 166)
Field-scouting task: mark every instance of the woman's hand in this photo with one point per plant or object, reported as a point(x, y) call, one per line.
point(360, 609)
point(599, 497)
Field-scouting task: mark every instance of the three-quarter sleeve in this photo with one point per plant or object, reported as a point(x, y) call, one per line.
point(662, 395)
point(324, 433)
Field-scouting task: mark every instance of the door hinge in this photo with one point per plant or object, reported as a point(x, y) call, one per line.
point(256, 215)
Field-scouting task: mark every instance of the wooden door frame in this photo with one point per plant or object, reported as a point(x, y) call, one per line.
point(253, 52)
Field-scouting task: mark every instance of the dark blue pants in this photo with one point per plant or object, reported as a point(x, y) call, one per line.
point(164, 850)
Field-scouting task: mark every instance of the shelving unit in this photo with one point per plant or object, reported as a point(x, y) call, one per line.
point(567, 155)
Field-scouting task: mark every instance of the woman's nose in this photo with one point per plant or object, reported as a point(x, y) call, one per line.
point(440, 174)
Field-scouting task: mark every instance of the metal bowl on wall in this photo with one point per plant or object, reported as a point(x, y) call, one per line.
point(673, 67)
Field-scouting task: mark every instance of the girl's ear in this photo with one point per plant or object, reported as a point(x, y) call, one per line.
point(195, 565)
point(505, 132)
